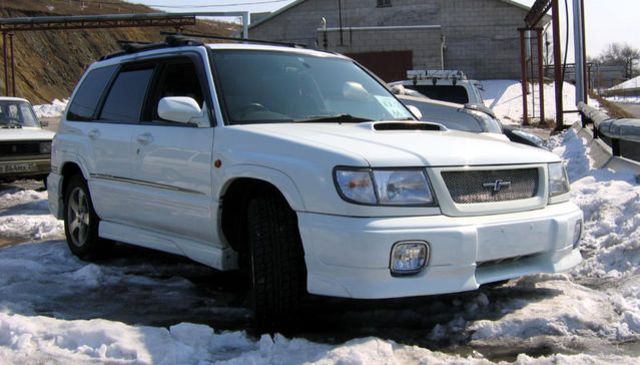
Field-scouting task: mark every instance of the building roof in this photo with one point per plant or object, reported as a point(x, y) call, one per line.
point(298, 2)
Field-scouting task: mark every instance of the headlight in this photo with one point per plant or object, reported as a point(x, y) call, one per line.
point(558, 179)
point(406, 187)
point(489, 123)
point(45, 147)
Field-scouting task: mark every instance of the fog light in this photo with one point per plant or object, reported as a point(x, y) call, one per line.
point(577, 234)
point(408, 257)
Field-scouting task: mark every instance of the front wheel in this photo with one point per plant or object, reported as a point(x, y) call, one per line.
point(81, 221)
point(278, 271)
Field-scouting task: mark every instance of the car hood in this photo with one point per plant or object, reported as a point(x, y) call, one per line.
point(386, 148)
point(25, 134)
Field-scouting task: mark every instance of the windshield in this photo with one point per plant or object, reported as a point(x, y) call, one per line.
point(277, 87)
point(448, 116)
point(17, 113)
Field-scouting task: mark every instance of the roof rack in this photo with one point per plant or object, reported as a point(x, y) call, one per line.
point(243, 40)
point(129, 47)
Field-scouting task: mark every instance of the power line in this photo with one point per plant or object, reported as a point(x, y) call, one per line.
point(183, 6)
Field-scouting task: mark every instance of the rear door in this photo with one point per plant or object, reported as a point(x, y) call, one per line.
point(110, 139)
point(172, 161)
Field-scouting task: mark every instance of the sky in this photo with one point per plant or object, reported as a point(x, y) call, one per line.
point(606, 20)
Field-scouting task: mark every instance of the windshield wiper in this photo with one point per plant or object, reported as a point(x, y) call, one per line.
point(337, 118)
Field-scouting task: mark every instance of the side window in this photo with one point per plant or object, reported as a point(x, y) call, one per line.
point(126, 97)
point(179, 78)
point(84, 104)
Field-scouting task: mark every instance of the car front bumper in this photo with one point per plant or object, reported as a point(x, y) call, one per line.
point(16, 168)
point(349, 256)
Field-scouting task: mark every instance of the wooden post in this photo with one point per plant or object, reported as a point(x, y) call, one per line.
point(540, 73)
point(523, 69)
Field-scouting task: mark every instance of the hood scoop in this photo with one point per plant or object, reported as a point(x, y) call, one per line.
point(406, 126)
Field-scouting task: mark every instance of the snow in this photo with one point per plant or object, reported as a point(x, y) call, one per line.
point(505, 98)
point(624, 99)
point(143, 308)
point(55, 109)
point(633, 83)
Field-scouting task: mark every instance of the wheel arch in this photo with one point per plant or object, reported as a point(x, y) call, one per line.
point(236, 194)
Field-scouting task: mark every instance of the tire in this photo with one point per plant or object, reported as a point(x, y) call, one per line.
point(81, 221)
point(278, 271)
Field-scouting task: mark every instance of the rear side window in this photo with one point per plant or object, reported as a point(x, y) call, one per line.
point(450, 93)
point(127, 95)
point(85, 102)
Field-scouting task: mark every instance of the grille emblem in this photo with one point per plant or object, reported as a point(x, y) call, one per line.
point(497, 185)
point(14, 148)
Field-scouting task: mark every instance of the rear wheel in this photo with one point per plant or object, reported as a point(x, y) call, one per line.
point(278, 271)
point(81, 221)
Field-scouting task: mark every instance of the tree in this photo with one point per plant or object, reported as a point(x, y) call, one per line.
point(620, 54)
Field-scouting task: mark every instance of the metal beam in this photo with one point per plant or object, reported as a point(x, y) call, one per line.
point(557, 63)
point(114, 21)
point(537, 12)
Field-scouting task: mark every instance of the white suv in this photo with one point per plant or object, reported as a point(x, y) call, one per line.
point(303, 169)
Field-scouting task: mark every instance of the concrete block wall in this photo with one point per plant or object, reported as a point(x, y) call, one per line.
point(482, 37)
point(423, 42)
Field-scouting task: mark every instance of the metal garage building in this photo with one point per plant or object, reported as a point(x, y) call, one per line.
point(479, 37)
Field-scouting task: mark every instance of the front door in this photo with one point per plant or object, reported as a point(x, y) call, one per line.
point(173, 161)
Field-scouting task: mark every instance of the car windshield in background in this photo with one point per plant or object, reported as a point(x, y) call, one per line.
point(451, 93)
point(17, 113)
point(275, 87)
point(457, 120)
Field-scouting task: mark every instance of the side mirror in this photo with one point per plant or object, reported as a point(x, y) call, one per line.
point(180, 109)
point(415, 111)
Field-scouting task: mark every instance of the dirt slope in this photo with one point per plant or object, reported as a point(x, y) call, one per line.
point(49, 63)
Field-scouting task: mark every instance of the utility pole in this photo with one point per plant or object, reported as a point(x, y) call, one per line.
point(580, 51)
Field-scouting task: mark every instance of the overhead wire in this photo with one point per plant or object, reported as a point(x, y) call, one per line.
point(182, 6)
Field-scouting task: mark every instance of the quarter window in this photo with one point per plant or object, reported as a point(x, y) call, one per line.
point(86, 99)
point(126, 97)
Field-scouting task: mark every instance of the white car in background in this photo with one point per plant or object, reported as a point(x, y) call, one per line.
point(301, 168)
point(446, 85)
point(25, 147)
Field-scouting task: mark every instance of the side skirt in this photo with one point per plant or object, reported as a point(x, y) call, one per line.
point(221, 258)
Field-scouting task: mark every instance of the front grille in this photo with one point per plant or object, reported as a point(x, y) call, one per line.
point(485, 186)
point(19, 148)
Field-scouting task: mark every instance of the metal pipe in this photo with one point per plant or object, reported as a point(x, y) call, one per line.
point(245, 24)
point(340, 21)
point(13, 66)
point(540, 73)
point(557, 63)
point(584, 59)
point(523, 69)
point(579, 52)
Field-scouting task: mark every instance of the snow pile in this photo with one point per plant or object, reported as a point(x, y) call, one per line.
point(504, 97)
point(53, 110)
point(29, 218)
point(624, 99)
point(633, 83)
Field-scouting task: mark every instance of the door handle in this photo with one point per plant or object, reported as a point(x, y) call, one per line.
point(144, 138)
point(94, 134)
